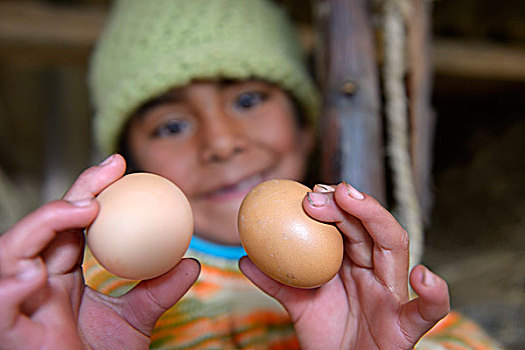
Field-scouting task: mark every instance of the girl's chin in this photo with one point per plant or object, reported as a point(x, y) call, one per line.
point(220, 225)
point(227, 235)
point(221, 239)
point(228, 197)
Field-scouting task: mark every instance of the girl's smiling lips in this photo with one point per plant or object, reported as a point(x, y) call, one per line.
point(235, 189)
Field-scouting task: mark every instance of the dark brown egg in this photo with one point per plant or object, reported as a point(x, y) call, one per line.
point(283, 241)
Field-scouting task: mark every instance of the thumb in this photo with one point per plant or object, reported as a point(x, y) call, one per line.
point(293, 299)
point(147, 301)
point(431, 305)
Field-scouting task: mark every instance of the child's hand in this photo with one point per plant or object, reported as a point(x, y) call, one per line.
point(366, 305)
point(44, 301)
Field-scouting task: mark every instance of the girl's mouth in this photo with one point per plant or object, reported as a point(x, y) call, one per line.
point(238, 189)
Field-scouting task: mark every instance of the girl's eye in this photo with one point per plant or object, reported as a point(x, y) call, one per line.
point(171, 128)
point(249, 100)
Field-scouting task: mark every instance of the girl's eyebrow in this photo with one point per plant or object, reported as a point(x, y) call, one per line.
point(175, 95)
point(172, 96)
point(229, 82)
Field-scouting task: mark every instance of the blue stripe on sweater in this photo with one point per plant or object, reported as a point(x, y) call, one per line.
point(215, 249)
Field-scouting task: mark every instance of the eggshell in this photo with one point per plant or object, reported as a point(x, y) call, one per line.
point(283, 241)
point(143, 228)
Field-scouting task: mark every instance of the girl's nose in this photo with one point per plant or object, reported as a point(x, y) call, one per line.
point(222, 139)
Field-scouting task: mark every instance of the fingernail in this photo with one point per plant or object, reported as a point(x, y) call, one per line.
point(321, 188)
point(428, 278)
point(317, 199)
point(352, 192)
point(82, 202)
point(31, 271)
point(107, 160)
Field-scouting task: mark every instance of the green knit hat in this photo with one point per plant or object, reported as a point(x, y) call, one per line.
point(151, 46)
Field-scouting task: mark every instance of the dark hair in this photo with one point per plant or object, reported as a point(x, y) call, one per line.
point(124, 150)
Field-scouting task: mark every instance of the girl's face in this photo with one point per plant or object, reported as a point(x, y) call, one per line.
point(216, 141)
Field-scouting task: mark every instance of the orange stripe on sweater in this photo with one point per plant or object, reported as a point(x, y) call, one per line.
point(447, 322)
point(457, 333)
point(186, 333)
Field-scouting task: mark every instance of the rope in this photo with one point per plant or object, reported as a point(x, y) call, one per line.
point(407, 207)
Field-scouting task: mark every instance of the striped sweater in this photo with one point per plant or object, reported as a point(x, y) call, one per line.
point(223, 310)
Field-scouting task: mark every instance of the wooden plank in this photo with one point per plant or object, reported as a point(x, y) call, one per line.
point(351, 126)
point(37, 33)
point(33, 22)
point(485, 60)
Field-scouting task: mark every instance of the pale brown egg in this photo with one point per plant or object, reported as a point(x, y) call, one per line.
point(283, 241)
point(143, 228)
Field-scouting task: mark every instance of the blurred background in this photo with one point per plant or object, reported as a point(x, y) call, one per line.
point(476, 238)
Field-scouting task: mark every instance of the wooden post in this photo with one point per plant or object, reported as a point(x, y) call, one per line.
point(351, 127)
point(419, 87)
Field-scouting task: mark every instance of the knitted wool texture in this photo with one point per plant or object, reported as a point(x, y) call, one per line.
point(149, 47)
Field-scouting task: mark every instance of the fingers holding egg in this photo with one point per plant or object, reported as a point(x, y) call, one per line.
point(321, 205)
point(380, 224)
point(94, 179)
point(389, 241)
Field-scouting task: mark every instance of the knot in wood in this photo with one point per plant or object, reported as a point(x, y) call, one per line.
point(349, 88)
